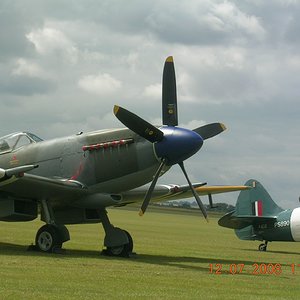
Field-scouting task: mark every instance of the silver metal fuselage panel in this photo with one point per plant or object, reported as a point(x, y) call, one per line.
point(109, 169)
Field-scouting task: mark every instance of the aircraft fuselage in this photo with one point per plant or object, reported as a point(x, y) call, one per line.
point(286, 227)
point(104, 160)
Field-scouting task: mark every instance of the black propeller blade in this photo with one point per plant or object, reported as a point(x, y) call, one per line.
point(138, 125)
point(210, 130)
point(169, 94)
point(201, 206)
point(151, 188)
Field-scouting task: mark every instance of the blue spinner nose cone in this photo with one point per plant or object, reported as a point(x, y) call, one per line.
point(178, 144)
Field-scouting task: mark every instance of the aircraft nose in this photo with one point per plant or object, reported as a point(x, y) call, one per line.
point(178, 144)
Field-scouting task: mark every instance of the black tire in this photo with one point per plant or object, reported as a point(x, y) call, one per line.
point(47, 238)
point(122, 250)
point(130, 244)
point(262, 247)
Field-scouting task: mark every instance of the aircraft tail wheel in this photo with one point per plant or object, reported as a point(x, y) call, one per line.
point(262, 247)
point(48, 239)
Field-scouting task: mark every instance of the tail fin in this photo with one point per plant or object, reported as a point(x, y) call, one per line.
point(253, 207)
point(256, 201)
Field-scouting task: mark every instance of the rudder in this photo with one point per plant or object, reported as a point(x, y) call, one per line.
point(254, 202)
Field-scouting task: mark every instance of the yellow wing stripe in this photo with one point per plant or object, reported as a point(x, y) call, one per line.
point(221, 189)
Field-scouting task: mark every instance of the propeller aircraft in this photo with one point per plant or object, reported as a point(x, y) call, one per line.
point(72, 180)
point(258, 217)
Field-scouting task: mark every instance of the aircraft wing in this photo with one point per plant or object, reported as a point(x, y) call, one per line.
point(220, 189)
point(17, 183)
point(177, 192)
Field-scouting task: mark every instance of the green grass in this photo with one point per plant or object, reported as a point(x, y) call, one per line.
point(172, 262)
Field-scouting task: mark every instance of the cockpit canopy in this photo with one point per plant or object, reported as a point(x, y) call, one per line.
point(17, 140)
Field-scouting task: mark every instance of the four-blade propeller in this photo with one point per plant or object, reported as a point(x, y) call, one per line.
point(172, 144)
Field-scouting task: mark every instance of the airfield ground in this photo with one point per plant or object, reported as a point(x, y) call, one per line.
point(178, 256)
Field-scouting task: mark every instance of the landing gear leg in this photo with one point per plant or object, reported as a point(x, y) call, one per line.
point(263, 247)
point(118, 242)
point(51, 236)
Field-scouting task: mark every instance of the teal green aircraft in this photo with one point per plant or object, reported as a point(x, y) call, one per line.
point(258, 217)
point(73, 180)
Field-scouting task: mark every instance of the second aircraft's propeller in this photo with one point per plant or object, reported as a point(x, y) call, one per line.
point(172, 144)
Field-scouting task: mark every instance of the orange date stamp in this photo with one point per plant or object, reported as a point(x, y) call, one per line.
point(254, 269)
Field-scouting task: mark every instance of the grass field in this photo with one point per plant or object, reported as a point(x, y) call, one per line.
point(174, 253)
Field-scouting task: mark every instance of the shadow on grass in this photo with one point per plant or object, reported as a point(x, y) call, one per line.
point(192, 263)
point(275, 251)
point(12, 249)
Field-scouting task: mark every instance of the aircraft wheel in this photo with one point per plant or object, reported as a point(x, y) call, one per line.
point(262, 247)
point(47, 238)
point(130, 244)
point(122, 250)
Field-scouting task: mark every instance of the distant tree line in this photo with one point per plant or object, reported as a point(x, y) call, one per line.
point(219, 207)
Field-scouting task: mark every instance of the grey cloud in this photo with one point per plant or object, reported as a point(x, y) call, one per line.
point(238, 64)
point(14, 24)
point(25, 86)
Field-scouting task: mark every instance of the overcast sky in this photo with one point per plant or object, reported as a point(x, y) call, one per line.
point(64, 64)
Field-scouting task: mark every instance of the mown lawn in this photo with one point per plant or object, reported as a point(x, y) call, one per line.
point(174, 255)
